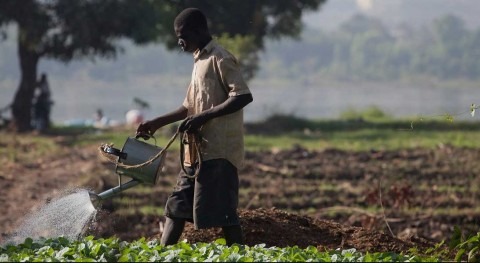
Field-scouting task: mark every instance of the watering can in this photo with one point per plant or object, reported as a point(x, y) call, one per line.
point(140, 161)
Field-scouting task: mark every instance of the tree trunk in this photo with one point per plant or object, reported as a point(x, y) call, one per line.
point(22, 103)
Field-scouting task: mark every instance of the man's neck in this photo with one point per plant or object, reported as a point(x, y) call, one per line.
point(204, 42)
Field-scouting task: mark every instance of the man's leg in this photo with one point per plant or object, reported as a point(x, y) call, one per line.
point(178, 209)
point(233, 235)
point(172, 231)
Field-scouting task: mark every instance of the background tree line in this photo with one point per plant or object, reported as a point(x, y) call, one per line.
point(363, 48)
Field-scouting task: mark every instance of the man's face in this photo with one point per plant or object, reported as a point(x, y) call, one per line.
point(187, 39)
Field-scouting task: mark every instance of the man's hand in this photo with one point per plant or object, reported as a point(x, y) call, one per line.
point(192, 123)
point(145, 130)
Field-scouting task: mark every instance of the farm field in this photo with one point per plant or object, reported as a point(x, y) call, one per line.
point(328, 184)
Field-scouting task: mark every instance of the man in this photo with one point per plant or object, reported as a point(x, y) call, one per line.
point(211, 113)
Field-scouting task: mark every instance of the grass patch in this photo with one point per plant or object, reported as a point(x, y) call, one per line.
point(25, 148)
point(284, 132)
point(360, 135)
point(364, 139)
point(310, 134)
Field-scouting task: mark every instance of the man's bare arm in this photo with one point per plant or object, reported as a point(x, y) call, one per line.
point(231, 105)
point(149, 127)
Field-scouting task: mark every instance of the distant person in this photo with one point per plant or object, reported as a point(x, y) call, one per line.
point(98, 115)
point(42, 105)
point(211, 110)
point(100, 120)
point(134, 117)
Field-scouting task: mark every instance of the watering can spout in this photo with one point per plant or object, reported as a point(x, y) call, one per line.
point(113, 191)
point(94, 199)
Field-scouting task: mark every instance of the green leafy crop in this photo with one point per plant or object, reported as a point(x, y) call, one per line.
point(142, 250)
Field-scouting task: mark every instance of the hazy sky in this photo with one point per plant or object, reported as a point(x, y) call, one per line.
point(394, 12)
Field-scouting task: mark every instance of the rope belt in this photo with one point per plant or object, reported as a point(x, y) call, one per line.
point(196, 141)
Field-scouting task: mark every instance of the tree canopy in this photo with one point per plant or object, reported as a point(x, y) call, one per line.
point(67, 30)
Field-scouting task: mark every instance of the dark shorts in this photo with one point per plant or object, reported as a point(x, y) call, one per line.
point(210, 200)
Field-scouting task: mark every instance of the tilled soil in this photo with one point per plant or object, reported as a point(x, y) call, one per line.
point(272, 227)
point(372, 201)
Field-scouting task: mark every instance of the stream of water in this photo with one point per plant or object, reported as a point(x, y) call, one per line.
point(67, 216)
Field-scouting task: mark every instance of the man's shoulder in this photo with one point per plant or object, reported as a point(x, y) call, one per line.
point(222, 53)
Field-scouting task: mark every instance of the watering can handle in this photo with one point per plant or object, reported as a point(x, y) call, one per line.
point(143, 135)
point(114, 151)
point(146, 136)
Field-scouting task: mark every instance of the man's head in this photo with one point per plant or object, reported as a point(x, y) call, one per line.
point(191, 29)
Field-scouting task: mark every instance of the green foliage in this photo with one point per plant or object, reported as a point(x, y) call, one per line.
point(66, 30)
point(370, 113)
point(142, 250)
point(439, 250)
point(467, 248)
